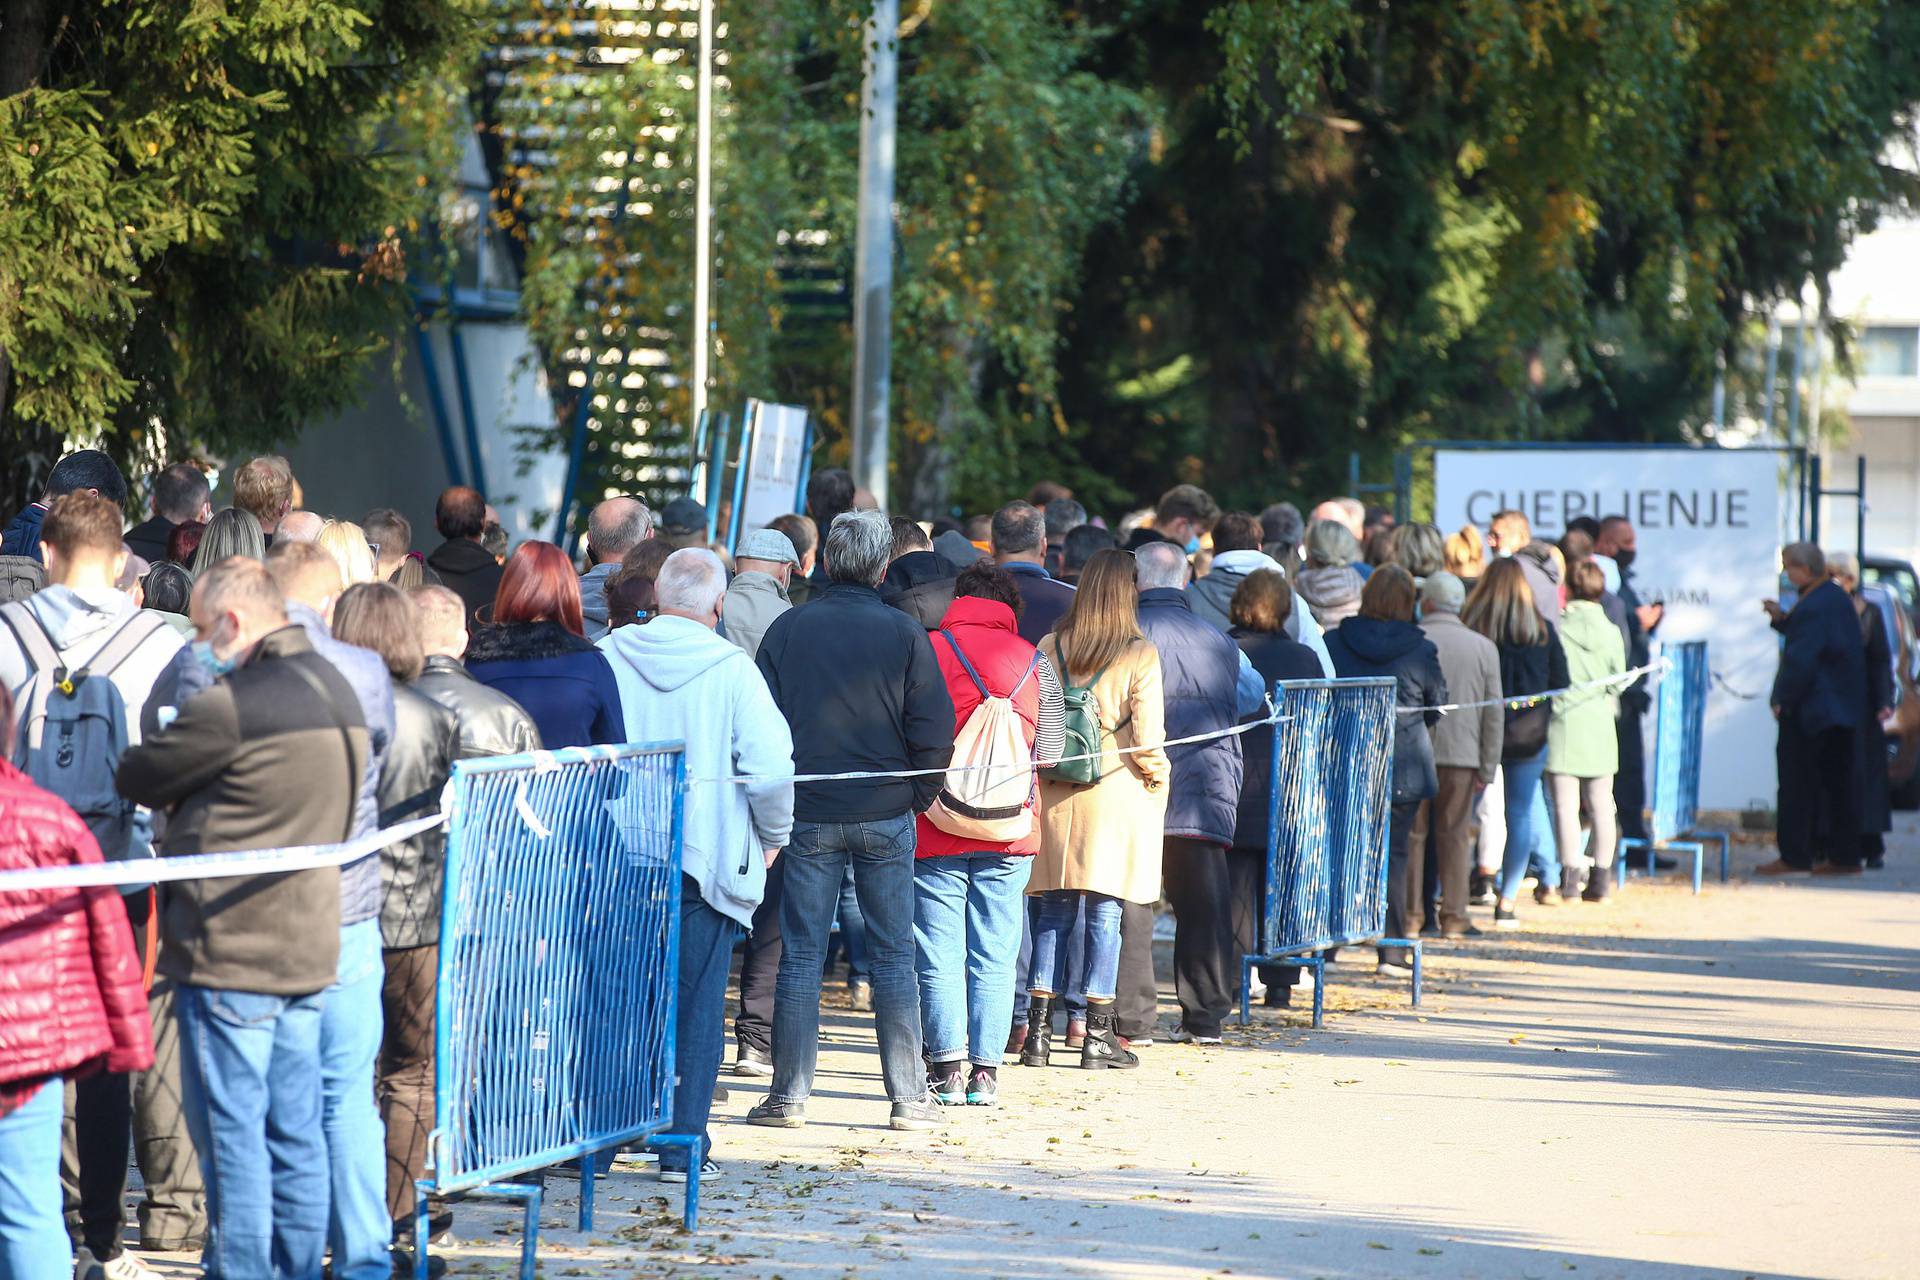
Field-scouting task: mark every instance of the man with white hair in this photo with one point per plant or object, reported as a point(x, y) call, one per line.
point(1343, 511)
point(300, 526)
point(614, 529)
point(849, 649)
point(680, 681)
point(1205, 692)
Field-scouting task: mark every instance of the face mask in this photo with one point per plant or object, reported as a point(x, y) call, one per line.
point(1623, 557)
point(210, 662)
point(1193, 544)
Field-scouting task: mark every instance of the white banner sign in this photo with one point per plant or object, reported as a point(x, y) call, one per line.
point(777, 452)
point(1708, 527)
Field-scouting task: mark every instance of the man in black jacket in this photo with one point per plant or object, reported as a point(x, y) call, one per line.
point(270, 756)
point(859, 686)
point(1616, 541)
point(180, 494)
point(464, 566)
point(1817, 699)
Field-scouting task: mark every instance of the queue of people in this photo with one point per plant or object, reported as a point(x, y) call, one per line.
point(1043, 721)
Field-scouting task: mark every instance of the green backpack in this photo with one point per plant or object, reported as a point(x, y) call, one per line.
point(1085, 741)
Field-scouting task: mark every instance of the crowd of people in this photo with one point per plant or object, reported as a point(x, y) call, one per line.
point(1041, 711)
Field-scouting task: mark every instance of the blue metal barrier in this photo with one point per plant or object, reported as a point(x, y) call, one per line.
point(1327, 821)
point(559, 974)
point(1680, 706)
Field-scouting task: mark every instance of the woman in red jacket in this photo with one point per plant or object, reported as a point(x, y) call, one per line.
point(969, 890)
point(71, 1003)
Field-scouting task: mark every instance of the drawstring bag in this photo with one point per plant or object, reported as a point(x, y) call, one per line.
point(990, 779)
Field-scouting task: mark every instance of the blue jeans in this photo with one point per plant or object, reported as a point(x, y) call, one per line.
point(699, 1026)
point(33, 1230)
point(882, 856)
point(351, 1023)
point(966, 927)
point(1053, 913)
point(1529, 829)
point(250, 1081)
point(1075, 996)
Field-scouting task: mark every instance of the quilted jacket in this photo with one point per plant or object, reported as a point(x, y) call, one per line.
point(71, 1001)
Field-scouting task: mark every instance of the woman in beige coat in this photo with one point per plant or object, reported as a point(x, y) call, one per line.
point(1100, 841)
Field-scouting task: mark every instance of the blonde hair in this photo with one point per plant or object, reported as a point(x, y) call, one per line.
point(1104, 618)
point(1501, 607)
point(347, 544)
point(1466, 552)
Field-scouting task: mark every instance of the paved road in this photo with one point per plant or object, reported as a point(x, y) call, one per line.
point(1717, 1086)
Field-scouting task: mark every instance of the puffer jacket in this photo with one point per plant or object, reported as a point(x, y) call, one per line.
point(920, 585)
point(1379, 647)
point(70, 996)
point(1200, 673)
point(426, 737)
point(491, 723)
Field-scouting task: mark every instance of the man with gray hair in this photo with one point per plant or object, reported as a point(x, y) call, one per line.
point(1020, 547)
point(861, 691)
point(1818, 700)
point(614, 528)
point(1466, 755)
point(1064, 515)
point(680, 681)
point(1208, 684)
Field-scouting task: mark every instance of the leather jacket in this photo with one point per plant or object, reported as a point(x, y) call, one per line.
point(491, 723)
point(426, 735)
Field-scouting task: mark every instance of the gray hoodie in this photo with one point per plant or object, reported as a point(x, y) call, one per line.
point(680, 681)
point(80, 622)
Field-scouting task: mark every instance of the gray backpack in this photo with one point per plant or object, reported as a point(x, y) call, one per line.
point(72, 725)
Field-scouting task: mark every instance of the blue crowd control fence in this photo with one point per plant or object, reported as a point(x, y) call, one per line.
point(1680, 712)
point(1327, 821)
point(559, 973)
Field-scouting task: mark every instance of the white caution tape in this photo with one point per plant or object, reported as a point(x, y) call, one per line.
point(1273, 718)
point(1532, 699)
point(212, 866)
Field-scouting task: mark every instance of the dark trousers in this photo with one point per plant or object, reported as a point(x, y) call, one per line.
point(1399, 833)
point(1630, 780)
point(700, 1020)
point(1205, 970)
point(1440, 828)
point(173, 1215)
point(1247, 875)
point(760, 967)
point(98, 1137)
point(404, 1084)
point(1818, 778)
point(1136, 1006)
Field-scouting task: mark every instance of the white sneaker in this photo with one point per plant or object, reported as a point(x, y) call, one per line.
point(125, 1267)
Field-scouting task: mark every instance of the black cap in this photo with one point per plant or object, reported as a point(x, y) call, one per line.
point(684, 515)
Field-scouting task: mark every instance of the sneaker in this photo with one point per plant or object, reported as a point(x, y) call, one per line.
point(773, 1114)
point(1480, 890)
point(1076, 1032)
point(861, 992)
point(709, 1171)
point(1183, 1036)
point(122, 1266)
point(916, 1115)
point(1144, 1042)
point(983, 1087)
point(1504, 918)
point(753, 1062)
point(947, 1082)
point(1392, 968)
point(403, 1265)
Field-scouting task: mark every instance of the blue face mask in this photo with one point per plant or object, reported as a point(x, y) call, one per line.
point(1193, 544)
point(211, 663)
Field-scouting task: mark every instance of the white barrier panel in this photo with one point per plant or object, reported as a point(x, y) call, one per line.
point(1708, 523)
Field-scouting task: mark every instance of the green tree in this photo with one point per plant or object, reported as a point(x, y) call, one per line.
point(204, 211)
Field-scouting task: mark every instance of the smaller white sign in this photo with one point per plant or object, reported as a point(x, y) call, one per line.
point(776, 452)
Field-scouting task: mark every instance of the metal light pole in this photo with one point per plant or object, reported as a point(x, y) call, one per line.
point(703, 213)
point(873, 251)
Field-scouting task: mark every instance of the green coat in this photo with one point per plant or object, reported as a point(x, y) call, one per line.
point(1580, 739)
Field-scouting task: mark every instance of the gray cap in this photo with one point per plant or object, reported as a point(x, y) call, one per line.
point(767, 544)
point(1443, 591)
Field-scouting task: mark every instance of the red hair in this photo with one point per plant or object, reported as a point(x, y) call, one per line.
point(539, 586)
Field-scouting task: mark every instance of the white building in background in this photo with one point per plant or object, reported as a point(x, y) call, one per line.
point(1878, 292)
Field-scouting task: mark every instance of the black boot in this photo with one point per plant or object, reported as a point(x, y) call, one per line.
point(1599, 885)
point(1103, 1049)
point(1039, 1033)
point(1570, 883)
